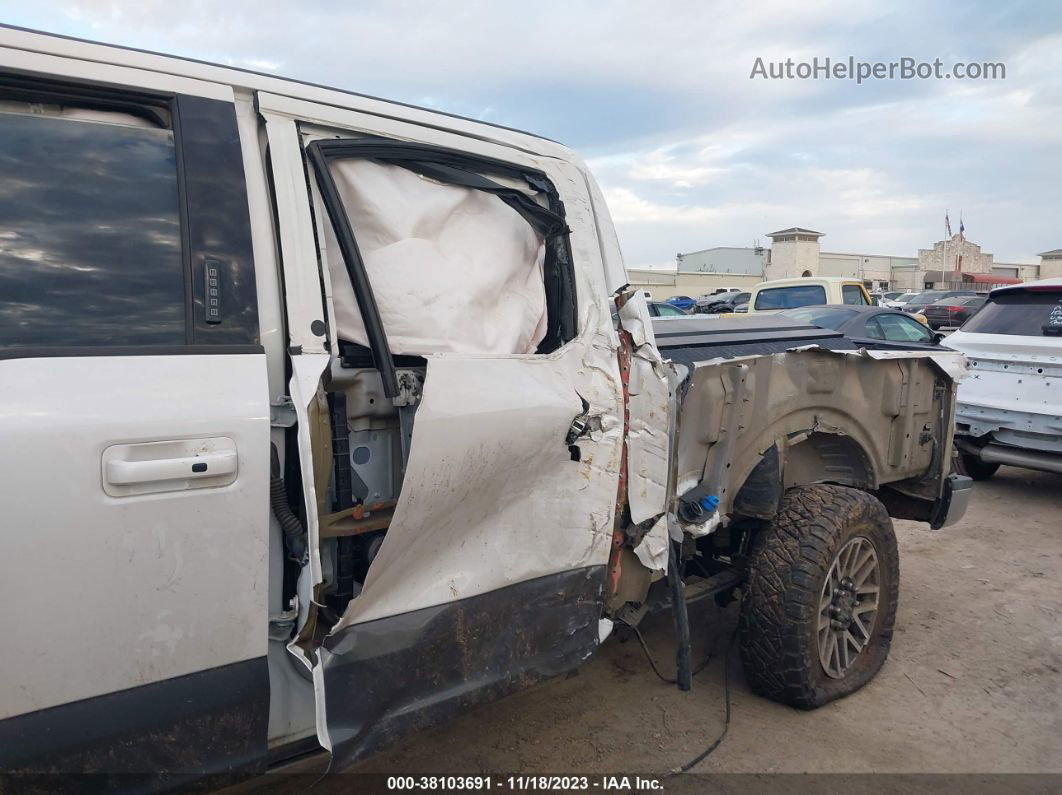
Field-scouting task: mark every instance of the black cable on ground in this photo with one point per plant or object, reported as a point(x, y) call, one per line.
point(726, 723)
point(656, 669)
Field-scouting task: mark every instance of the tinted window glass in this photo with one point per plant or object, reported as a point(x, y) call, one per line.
point(791, 297)
point(90, 250)
point(903, 329)
point(1021, 313)
point(822, 316)
point(851, 294)
point(666, 310)
point(742, 298)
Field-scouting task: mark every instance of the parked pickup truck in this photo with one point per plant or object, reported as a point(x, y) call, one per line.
point(779, 294)
point(327, 418)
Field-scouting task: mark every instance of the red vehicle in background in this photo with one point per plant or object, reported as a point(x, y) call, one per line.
point(953, 311)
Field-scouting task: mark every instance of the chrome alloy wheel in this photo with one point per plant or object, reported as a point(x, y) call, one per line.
point(848, 606)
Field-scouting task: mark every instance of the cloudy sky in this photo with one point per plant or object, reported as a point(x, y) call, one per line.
point(657, 96)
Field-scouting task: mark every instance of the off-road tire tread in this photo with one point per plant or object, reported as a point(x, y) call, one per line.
point(787, 564)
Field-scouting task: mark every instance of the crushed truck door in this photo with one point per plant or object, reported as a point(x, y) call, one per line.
point(505, 415)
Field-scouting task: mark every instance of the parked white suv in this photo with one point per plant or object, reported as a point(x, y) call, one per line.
point(1010, 407)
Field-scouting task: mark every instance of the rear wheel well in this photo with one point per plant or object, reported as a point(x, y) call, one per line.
point(818, 457)
point(829, 458)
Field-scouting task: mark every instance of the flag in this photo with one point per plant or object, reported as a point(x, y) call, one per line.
point(961, 228)
point(947, 224)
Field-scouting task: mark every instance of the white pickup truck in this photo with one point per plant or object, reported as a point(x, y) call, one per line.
point(326, 418)
point(779, 294)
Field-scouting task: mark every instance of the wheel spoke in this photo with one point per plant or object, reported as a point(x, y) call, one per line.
point(846, 568)
point(868, 568)
point(850, 638)
point(864, 555)
point(862, 627)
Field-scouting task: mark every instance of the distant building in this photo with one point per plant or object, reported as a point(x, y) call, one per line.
point(724, 260)
point(956, 260)
point(1051, 264)
point(796, 252)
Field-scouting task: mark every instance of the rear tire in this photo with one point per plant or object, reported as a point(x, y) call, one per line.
point(976, 468)
point(808, 635)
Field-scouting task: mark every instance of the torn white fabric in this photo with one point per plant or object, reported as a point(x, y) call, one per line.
point(709, 525)
point(652, 552)
point(453, 270)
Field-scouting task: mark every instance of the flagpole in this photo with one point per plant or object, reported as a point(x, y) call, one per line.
point(944, 265)
point(962, 245)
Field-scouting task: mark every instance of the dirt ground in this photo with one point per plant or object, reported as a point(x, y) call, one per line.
point(973, 683)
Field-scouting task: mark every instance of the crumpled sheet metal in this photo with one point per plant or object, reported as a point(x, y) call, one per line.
point(952, 363)
point(735, 409)
point(648, 445)
point(491, 495)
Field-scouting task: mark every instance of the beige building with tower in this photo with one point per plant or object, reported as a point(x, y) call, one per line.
point(796, 251)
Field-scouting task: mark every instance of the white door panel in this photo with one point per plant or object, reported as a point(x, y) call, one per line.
point(491, 495)
point(105, 592)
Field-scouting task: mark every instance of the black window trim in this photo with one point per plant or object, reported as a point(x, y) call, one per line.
point(320, 153)
point(26, 86)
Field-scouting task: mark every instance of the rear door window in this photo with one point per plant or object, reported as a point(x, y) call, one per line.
point(461, 254)
point(1022, 313)
point(872, 329)
point(791, 297)
point(666, 310)
point(896, 328)
point(852, 294)
point(90, 234)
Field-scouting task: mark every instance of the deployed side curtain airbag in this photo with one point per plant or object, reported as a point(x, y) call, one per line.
point(453, 268)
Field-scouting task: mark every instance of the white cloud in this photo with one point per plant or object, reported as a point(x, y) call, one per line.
point(690, 151)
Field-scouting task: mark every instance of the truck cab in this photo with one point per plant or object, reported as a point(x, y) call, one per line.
point(779, 294)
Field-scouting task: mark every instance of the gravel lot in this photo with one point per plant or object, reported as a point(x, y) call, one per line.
point(973, 683)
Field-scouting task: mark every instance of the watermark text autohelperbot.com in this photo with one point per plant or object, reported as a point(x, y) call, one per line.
point(849, 68)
